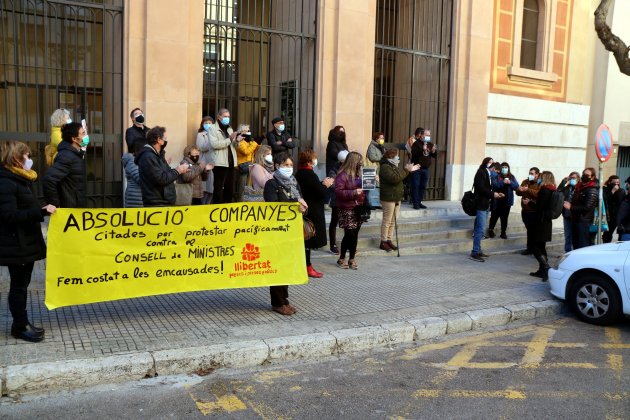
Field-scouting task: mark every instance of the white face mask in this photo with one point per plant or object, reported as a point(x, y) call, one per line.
point(531, 178)
point(427, 138)
point(269, 159)
point(314, 163)
point(286, 172)
point(28, 164)
point(394, 161)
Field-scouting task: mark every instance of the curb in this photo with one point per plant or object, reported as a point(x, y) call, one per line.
point(47, 376)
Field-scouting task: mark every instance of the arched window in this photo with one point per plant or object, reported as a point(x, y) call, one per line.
point(529, 39)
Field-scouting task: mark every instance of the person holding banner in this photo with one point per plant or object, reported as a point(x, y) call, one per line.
point(314, 193)
point(349, 195)
point(21, 239)
point(283, 187)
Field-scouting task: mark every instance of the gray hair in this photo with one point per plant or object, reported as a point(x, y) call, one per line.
point(59, 117)
point(222, 111)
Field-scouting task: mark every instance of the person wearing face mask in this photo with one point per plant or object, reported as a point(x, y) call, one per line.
point(262, 169)
point(245, 156)
point(484, 194)
point(156, 176)
point(334, 210)
point(207, 155)
point(568, 186)
point(613, 196)
point(279, 138)
point(137, 133)
point(197, 173)
point(314, 193)
point(283, 187)
point(623, 217)
point(505, 183)
point(529, 190)
point(64, 182)
point(582, 207)
point(373, 157)
point(391, 179)
point(58, 119)
point(21, 239)
point(336, 143)
point(224, 142)
point(422, 153)
point(349, 195)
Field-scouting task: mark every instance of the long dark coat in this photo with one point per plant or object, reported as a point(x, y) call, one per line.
point(543, 226)
point(21, 239)
point(314, 193)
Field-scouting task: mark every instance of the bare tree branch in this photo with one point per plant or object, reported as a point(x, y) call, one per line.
point(611, 42)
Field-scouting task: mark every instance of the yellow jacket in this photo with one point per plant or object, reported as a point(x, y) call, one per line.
point(245, 151)
point(51, 149)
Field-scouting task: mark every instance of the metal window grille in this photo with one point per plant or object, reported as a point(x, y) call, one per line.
point(259, 62)
point(411, 75)
point(65, 54)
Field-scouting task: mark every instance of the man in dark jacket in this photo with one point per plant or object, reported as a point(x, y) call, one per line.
point(568, 187)
point(422, 153)
point(483, 195)
point(64, 183)
point(137, 133)
point(279, 139)
point(156, 176)
point(582, 208)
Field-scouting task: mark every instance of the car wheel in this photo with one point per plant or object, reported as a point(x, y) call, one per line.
point(595, 300)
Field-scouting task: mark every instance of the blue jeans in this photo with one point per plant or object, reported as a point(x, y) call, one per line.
point(581, 235)
point(424, 180)
point(480, 227)
point(419, 180)
point(624, 237)
point(568, 235)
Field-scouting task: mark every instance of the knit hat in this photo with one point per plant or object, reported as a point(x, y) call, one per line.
point(277, 120)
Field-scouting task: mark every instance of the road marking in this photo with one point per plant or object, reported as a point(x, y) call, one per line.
point(535, 350)
point(269, 377)
point(226, 403)
point(570, 365)
point(509, 394)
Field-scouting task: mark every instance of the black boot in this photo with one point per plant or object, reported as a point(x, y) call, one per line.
point(28, 333)
point(543, 268)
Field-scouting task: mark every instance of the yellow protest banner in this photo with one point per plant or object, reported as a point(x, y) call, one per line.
point(97, 255)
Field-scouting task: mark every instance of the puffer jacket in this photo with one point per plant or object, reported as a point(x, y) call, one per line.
point(157, 179)
point(246, 150)
point(64, 183)
point(375, 152)
point(584, 202)
point(133, 193)
point(195, 176)
point(221, 145)
point(207, 155)
point(391, 181)
point(21, 239)
point(345, 188)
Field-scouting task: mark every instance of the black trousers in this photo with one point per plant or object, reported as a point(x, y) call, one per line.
point(223, 184)
point(581, 234)
point(529, 219)
point(501, 211)
point(332, 228)
point(279, 295)
point(539, 249)
point(20, 279)
point(349, 243)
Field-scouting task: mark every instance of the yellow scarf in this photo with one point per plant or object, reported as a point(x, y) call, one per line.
point(31, 175)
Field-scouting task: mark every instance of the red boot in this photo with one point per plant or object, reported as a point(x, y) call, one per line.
point(313, 273)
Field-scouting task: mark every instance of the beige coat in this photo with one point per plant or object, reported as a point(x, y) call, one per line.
point(221, 145)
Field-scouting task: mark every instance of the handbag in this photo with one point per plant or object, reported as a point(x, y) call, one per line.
point(593, 227)
point(309, 229)
point(363, 213)
point(250, 194)
point(244, 167)
point(469, 203)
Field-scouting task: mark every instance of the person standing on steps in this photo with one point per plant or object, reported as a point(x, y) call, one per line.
point(334, 210)
point(529, 189)
point(137, 133)
point(483, 194)
point(422, 153)
point(506, 184)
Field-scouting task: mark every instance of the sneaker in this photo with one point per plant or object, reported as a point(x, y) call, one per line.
point(334, 250)
point(342, 264)
point(476, 257)
point(422, 206)
point(385, 246)
point(392, 246)
point(490, 233)
point(482, 255)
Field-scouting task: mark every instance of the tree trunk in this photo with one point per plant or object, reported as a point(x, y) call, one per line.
point(611, 42)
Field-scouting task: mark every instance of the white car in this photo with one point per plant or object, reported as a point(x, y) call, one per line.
point(593, 282)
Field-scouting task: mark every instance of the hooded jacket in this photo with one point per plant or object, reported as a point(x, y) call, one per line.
point(156, 178)
point(133, 192)
point(21, 239)
point(64, 183)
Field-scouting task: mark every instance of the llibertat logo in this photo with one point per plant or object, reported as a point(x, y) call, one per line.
point(251, 264)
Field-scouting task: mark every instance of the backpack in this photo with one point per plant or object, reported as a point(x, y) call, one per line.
point(556, 204)
point(469, 203)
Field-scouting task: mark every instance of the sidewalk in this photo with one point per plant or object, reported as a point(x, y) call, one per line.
point(385, 289)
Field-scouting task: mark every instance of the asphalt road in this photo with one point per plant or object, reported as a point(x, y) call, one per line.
point(555, 369)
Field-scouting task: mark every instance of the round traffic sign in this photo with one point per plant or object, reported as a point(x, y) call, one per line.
point(603, 143)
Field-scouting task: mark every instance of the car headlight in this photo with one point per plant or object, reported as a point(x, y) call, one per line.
point(560, 260)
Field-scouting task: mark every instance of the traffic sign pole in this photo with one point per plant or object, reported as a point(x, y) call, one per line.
point(604, 148)
point(600, 204)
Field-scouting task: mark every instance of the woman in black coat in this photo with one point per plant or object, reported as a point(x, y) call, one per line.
point(314, 193)
point(21, 240)
point(283, 187)
point(542, 227)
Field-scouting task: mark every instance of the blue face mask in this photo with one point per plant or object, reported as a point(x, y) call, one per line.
point(225, 120)
point(493, 174)
point(573, 182)
point(539, 181)
point(504, 171)
point(69, 120)
point(206, 126)
point(281, 128)
point(85, 141)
